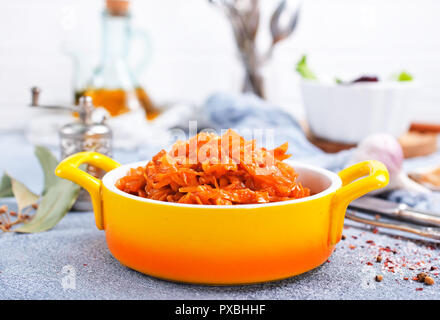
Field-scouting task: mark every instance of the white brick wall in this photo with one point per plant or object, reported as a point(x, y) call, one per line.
point(194, 54)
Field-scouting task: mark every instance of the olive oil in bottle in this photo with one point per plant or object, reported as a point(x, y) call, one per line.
point(113, 84)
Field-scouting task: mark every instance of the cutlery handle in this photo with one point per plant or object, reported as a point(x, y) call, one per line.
point(421, 231)
point(419, 217)
point(375, 177)
point(69, 169)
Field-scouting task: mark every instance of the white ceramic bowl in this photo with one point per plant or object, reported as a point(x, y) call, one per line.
point(349, 113)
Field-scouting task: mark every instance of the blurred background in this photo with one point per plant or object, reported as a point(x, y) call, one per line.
point(193, 52)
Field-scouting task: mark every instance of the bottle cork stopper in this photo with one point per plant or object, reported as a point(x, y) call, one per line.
point(118, 7)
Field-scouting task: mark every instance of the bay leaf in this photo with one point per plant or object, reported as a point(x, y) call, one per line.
point(54, 205)
point(22, 194)
point(48, 163)
point(6, 187)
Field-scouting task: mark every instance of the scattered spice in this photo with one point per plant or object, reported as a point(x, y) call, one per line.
point(9, 218)
point(35, 206)
point(421, 276)
point(343, 237)
point(429, 281)
point(413, 260)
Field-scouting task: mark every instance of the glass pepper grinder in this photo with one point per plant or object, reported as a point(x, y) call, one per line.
point(113, 84)
point(87, 133)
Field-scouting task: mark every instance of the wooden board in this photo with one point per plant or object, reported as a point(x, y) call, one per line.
point(414, 144)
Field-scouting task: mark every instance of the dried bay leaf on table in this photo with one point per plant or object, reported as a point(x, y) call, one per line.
point(6, 187)
point(22, 194)
point(59, 195)
point(57, 201)
point(48, 163)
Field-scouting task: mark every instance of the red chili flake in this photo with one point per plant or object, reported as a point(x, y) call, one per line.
point(85, 264)
point(433, 268)
point(375, 230)
point(415, 278)
point(419, 289)
point(370, 241)
point(354, 237)
point(369, 264)
point(351, 246)
point(328, 261)
point(405, 278)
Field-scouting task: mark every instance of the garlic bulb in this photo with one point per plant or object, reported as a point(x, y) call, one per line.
point(386, 149)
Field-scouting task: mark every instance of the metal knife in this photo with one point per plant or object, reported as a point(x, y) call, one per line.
point(395, 210)
point(427, 232)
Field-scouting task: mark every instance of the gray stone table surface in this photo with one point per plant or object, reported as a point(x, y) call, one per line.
point(33, 266)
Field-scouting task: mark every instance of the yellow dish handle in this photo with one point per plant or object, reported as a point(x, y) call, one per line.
point(376, 177)
point(69, 169)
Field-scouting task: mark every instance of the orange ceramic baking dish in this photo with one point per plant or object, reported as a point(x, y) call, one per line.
point(232, 244)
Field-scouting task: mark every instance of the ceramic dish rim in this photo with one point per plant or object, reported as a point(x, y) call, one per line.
point(110, 178)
